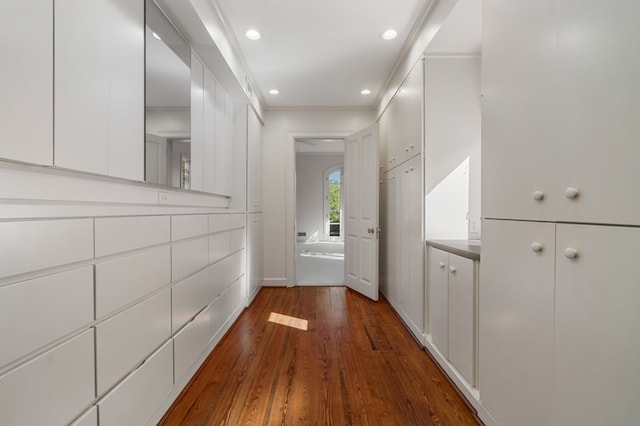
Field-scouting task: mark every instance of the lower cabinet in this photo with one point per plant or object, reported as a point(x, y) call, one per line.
point(558, 324)
point(453, 282)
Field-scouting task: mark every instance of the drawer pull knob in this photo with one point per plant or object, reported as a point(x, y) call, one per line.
point(442, 265)
point(538, 195)
point(452, 269)
point(571, 193)
point(537, 247)
point(571, 253)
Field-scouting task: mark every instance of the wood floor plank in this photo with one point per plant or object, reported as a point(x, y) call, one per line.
point(356, 364)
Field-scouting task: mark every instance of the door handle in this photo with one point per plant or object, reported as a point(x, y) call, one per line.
point(371, 230)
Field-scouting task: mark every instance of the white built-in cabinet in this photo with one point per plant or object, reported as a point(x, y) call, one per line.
point(99, 73)
point(211, 132)
point(558, 316)
point(401, 214)
point(560, 111)
point(26, 104)
point(254, 253)
point(402, 259)
point(254, 162)
point(138, 302)
point(402, 122)
point(453, 282)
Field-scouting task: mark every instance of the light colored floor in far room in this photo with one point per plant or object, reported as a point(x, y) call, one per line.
point(320, 263)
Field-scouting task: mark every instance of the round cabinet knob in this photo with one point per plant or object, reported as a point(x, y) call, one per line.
point(538, 195)
point(410, 169)
point(406, 148)
point(452, 269)
point(442, 265)
point(571, 253)
point(411, 146)
point(571, 193)
point(537, 247)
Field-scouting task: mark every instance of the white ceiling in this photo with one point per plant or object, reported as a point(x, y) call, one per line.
point(321, 53)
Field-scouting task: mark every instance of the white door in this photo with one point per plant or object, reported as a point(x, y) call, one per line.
point(361, 211)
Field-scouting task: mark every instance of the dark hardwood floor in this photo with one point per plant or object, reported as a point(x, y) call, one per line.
point(355, 365)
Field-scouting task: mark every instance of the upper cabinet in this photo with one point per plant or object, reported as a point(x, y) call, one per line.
point(99, 76)
point(26, 114)
point(560, 106)
point(254, 162)
point(401, 124)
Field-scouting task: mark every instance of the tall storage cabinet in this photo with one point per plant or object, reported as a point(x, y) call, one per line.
point(402, 243)
point(254, 204)
point(558, 338)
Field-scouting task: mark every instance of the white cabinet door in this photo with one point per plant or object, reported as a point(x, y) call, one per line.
point(210, 132)
point(462, 310)
point(518, 108)
point(254, 169)
point(415, 242)
point(99, 87)
point(254, 253)
point(438, 275)
point(197, 123)
point(516, 321)
point(597, 344)
point(598, 109)
point(26, 113)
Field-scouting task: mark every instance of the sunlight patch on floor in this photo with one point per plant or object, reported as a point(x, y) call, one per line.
point(294, 322)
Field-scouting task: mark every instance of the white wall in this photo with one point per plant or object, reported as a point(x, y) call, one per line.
point(168, 122)
point(281, 126)
point(310, 186)
point(452, 124)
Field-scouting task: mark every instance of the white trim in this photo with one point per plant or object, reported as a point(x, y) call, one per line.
point(274, 282)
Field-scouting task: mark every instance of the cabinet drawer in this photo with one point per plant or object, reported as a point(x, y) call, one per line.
point(217, 312)
point(122, 281)
point(136, 398)
point(237, 240)
point(219, 222)
point(237, 221)
point(189, 297)
point(89, 418)
point(187, 226)
point(219, 246)
point(219, 277)
point(118, 234)
point(30, 394)
point(127, 338)
point(33, 245)
point(191, 342)
point(235, 295)
point(189, 257)
point(236, 266)
point(27, 309)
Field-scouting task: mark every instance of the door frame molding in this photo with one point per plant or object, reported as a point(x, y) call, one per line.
point(290, 193)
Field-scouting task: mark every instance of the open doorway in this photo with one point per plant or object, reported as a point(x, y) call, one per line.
point(319, 211)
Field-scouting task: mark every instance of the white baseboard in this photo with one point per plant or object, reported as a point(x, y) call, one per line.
point(274, 282)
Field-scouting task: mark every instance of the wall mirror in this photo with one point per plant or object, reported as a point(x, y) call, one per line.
point(167, 102)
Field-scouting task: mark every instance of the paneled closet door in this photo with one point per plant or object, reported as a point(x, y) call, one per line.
point(518, 109)
point(462, 316)
point(597, 343)
point(516, 313)
point(598, 111)
point(415, 242)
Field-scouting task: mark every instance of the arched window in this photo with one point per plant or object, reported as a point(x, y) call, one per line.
point(333, 203)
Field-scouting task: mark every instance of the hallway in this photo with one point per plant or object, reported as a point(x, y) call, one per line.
point(355, 365)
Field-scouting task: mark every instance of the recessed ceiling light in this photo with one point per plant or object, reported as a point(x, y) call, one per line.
point(365, 92)
point(252, 34)
point(274, 92)
point(156, 36)
point(389, 34)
